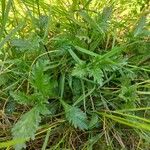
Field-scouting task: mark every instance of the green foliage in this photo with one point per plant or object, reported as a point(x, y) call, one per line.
point(75, 116)
point(96, 67)
point(26, 127)
point(94, 120)
point(78, 70)
point(26, 44)
point(140, 25)
point(39, 80)
point(21, 98)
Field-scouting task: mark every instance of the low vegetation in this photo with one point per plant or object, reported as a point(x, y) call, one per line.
point(75, 75)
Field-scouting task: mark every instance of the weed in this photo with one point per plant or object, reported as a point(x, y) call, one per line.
point(74, 74)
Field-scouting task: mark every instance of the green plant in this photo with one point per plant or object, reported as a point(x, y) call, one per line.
point(79, 70)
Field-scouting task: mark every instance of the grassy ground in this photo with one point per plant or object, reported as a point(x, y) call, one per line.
point(75, 74)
